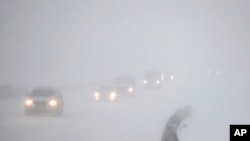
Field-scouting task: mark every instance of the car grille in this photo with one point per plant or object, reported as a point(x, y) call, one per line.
point(40, 103)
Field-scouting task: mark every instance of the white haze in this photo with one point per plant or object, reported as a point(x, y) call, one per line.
point(77, 45)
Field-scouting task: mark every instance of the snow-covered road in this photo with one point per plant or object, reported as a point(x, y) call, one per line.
point(140, 118)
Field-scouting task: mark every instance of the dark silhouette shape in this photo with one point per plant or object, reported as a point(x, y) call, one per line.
point(170, 132)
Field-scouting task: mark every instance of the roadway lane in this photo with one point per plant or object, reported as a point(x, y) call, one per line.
point(140, 118)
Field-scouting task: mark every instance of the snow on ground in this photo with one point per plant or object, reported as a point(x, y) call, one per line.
point(140, 118)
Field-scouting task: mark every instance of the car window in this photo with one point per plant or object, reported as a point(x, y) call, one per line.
point(43, 93)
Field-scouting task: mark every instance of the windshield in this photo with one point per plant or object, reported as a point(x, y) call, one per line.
point(105, 89)
point(43, 93)
point(167, 68)
point(152, 75)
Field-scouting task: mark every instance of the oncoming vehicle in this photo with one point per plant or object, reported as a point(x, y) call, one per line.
point(153, 79)
point(44, 100)
point(105, 93)
point(125, 86)
point(215, 72)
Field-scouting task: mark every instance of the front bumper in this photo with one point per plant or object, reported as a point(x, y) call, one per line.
point(42, 109)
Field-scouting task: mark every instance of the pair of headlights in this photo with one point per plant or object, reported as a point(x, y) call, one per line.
point(157, 82)
point(217, 72)
point(51, 102)
point(112, 96)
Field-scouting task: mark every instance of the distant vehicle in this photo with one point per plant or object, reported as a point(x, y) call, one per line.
point(44, 100)
point(125, 86)
point(215, 72)
point(153, 79)
point(106, 93)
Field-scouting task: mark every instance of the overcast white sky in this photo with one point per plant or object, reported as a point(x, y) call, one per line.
point(47, 42)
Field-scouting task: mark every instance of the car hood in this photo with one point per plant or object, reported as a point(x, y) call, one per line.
point(41, 98)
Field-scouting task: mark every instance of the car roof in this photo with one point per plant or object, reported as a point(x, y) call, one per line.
point(45, 91)
point(106, 87)
point(153, 72)
point(45, 88)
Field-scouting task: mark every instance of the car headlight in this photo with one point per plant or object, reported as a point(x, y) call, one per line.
point(29, 102)
point(218, 72)
point(162, 77)
point(130, 89)
point(209, 71)
point(52, 102)
point(158, 82)
point(145, 81)
point(97, 94)
point(112, 96)
point(172, 77)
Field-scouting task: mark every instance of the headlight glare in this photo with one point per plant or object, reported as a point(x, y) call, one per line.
point(97, 94)
point(172, 77)
point(112, 94)
point(158, 82)
point(130, 89)
point(162, 77)
point(28, 102)
point(52, 102)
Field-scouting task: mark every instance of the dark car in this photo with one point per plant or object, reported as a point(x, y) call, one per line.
point(153, 79)
point(125, 86)
point(44, 100)
point(106, 93)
